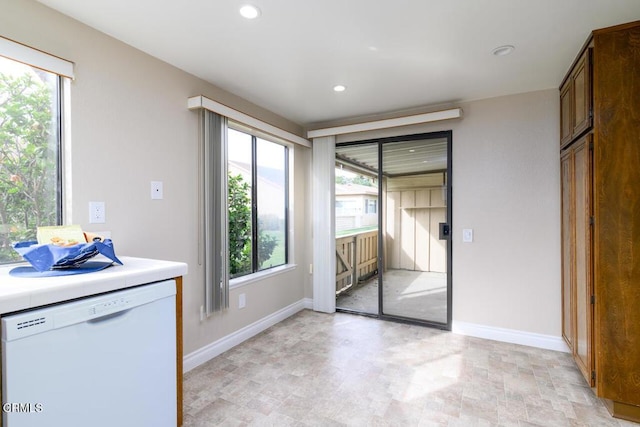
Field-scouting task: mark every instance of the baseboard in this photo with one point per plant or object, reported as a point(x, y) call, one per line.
point(208, 352)
point(548, 342)
point(308, 303)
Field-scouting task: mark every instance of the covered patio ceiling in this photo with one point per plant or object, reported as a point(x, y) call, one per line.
point(399, 158)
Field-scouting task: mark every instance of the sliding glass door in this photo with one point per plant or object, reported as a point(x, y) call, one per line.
point(412, 202)
point(357, 228)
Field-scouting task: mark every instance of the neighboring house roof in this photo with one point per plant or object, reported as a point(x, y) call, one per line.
point(355, 189)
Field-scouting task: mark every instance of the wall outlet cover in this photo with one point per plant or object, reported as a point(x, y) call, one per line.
point(97, 213)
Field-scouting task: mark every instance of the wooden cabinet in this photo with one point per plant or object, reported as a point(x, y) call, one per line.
point(576, 108)
point(566, 127)
point(576, 248)
point(600, 178)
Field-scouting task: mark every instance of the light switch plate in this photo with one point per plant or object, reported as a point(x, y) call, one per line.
point(467, 235)
point(156, 190)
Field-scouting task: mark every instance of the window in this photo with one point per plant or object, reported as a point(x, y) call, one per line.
point(370, 206)
point(244, 165)
point(257, 203)
point(30, 152)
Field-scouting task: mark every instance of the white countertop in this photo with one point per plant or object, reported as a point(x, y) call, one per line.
point(19, 293)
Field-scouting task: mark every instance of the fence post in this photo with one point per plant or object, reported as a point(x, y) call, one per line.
point(356, 255)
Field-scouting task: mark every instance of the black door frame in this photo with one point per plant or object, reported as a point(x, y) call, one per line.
point(448, 134)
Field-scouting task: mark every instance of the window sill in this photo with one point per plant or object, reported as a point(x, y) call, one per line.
point(260, 275)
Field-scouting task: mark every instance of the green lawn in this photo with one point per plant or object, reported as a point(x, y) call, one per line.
point(278, 256)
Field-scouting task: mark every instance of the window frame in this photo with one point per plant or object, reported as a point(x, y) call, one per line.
point(370, 206)
point(257, 273)
point(61, 72)
point(213, 174)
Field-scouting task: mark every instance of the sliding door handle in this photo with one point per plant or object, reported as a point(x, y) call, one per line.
point(444, 231)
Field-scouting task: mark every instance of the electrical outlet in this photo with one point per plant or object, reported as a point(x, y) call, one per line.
point(242, 300)
point(97, 213)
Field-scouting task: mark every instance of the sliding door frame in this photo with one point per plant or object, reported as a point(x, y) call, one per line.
point(448, 135)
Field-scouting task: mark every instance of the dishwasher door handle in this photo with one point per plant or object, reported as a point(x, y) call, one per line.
point(107, 317)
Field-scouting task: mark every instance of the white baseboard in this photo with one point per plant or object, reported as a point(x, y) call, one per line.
point(208, 352)
point(548, 342)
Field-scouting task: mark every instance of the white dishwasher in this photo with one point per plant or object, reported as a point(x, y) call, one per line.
point(108, 360)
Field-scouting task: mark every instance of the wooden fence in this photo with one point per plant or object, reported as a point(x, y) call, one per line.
point(356, 259)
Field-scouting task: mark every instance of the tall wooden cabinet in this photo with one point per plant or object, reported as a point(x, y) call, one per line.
point(600, 177)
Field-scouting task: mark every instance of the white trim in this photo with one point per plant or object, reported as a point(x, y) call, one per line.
point(324, 224)
point(548, 342)
point(208, 352)
point(67, 187)
point(35, 58)
point(200, 101)
point(241, 281)
point(453, 113)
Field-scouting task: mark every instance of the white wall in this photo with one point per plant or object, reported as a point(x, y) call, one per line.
point(130, 125)
point(506, 187)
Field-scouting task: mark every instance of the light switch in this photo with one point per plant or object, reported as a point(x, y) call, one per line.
point(156, 190)
point(467, 235)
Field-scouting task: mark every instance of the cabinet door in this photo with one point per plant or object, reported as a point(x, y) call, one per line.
point(566, 123)
point(568, 215)
point(582, 103)
point(582, 165)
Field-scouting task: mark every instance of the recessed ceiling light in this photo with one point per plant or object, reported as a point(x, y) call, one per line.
point(412, 151)
point(249, 11)
point(503, 50)
point(339, 88)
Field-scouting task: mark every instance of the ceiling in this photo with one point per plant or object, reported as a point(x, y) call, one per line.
point(392, 55)
point(422, 155)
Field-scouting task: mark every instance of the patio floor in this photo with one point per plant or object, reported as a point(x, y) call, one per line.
point(413, 294)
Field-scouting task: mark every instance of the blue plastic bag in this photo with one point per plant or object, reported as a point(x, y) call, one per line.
point(52, 257)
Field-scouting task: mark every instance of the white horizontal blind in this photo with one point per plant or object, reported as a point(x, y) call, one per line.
point(35, 58)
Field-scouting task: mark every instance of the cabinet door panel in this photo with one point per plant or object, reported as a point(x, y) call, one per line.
point(582, 94)
point(566, 167)
point(583, 281)
point(566, 124)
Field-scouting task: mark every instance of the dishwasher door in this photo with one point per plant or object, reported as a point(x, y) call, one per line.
point(105, 361)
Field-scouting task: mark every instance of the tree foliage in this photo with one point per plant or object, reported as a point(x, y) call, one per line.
point(359, 179)
point(28, 173)
point(239, 225)
point(240, 234)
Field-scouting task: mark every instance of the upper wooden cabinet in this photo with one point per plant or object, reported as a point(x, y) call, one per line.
point(566, 126)
point(576, 101)
point(600, 178)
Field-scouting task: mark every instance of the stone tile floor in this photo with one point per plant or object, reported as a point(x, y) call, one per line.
point(316, 369)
